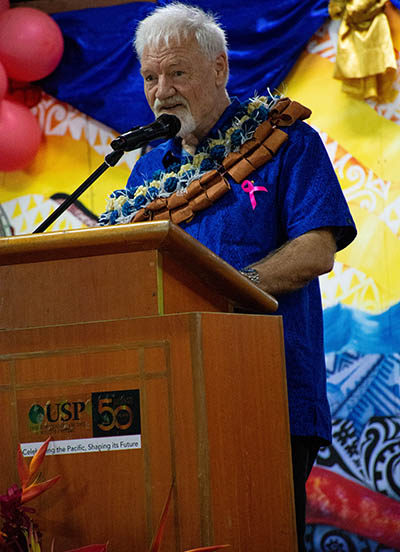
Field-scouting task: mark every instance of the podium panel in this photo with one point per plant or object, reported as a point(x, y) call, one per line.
point(106, 287)
point(196, 400)
point(114, 273)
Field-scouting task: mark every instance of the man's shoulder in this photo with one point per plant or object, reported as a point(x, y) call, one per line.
point(290, 116)
point(301, 129)
point(302, 138)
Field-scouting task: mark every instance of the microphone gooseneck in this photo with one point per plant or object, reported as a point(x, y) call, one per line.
point(164, 127)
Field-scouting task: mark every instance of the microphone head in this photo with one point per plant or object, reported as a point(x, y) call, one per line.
point(171, 122)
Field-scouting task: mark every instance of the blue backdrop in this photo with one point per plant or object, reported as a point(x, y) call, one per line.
point(99, 73)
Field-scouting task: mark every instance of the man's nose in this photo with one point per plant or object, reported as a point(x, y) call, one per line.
point(165, 88)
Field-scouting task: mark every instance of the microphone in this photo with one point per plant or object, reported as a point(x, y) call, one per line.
point(165, 126)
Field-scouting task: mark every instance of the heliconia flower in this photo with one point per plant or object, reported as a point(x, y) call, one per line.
point(155, 545)
point(209, 548)
point(36, 489)
point(26, 474)
point(91, 548)
point(22, 466)
point(33, 540)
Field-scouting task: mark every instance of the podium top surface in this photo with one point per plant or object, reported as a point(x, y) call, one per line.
point(125, 238)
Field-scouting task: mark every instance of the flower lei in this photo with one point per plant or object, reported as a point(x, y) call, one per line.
point(123, 205)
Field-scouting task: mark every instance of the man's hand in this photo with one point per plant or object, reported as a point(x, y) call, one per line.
point(297, 262)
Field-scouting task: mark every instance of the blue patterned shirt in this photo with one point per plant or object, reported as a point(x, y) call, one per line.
point(298, 192)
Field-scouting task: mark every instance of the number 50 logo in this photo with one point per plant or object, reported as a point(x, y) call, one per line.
point(116, 413)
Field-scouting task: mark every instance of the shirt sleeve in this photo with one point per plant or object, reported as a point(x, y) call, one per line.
point(311, 196)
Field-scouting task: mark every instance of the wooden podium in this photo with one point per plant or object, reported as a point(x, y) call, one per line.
point(123, 345)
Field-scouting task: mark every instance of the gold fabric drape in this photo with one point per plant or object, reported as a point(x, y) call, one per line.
point(365, 59)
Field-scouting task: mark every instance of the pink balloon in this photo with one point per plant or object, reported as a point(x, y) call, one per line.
point(31, 43)
point(3, 81)
point(4, 5)
point(26, 93)
point(20, 136)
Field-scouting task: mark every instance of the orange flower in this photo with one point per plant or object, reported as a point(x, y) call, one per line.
point(29, 474)
point(209, 548)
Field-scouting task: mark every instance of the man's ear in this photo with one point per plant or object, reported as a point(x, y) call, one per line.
point(221, 69)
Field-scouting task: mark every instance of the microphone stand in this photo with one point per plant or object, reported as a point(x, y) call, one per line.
point(165, 126)
point(110, 160)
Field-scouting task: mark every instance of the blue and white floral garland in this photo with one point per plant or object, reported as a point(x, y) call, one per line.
point(123, 205)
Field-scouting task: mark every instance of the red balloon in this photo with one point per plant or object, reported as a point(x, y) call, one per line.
point(31, 43)
point(3, 81)
point(4, 5)
point(20, 136)
point(24, 92)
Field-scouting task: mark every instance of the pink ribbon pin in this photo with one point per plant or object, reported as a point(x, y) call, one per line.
point(249, 188)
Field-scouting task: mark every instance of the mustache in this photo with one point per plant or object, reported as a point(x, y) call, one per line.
point(173, 100)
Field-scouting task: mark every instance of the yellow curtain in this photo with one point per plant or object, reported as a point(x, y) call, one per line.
point(365, 59)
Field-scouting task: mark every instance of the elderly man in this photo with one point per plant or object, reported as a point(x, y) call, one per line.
point(263, 198)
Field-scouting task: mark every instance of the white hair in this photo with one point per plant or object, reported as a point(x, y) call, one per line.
point(180, 21)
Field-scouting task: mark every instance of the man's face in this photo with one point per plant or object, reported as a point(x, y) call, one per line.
point(180, 80)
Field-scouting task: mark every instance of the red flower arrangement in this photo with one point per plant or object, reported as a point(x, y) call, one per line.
point(19, 533)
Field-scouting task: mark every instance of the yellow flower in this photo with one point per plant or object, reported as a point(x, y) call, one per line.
point(217, 142)
point(119, 201)
point(185, 168)
point(168, 175)
point(257, 102)
point(198, 158)
point(254, 105)
point(229, 132)
point(110, 204)
point(241, 121)
point(140, 190)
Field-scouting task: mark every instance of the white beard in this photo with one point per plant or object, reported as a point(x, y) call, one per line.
point(188, 124)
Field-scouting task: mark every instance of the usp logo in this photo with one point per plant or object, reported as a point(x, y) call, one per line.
point(116, 413)
point(36, 414)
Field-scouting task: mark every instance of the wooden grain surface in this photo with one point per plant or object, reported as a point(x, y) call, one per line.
point(214, 419)
point(109, 273)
